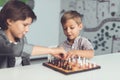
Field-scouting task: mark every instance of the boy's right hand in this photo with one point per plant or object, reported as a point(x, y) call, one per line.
point(59, 52)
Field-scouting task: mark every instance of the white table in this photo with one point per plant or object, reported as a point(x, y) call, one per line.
point(110, 70)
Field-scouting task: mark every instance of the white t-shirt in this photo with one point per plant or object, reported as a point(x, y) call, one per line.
point(18, 61)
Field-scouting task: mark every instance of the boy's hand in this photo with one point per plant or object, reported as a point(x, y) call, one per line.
point(59, 52)
point(71, 54)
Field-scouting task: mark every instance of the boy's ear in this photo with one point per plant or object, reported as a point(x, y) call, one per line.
point(81, 26)
point(9, 21)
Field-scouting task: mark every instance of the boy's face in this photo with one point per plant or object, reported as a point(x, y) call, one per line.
point(72, 29)
point(17, 29)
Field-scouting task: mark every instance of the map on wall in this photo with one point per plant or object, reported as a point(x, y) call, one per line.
point(101, 20)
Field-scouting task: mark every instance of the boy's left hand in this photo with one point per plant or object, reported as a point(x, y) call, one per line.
point(59, 52)
point(71, 54)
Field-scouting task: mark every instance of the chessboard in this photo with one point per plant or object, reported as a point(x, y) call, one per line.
point(73, 65)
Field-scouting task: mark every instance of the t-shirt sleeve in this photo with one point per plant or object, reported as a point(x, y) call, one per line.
point(86, 44)
point(27, 49)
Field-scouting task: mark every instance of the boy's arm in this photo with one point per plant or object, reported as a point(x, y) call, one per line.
point(82, 53)
point(37, 50)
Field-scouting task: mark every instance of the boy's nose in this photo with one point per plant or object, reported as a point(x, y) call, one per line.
point(68, 30)
point(27, 29)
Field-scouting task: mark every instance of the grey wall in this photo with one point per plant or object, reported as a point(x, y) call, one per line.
point(45, 31)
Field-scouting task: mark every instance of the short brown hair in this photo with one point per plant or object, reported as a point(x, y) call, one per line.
point(71, 15)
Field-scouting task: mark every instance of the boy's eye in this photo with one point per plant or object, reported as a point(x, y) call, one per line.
point(25, 24)
point(71, 27)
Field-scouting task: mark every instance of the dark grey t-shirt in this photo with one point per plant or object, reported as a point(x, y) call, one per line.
point(9, 50)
